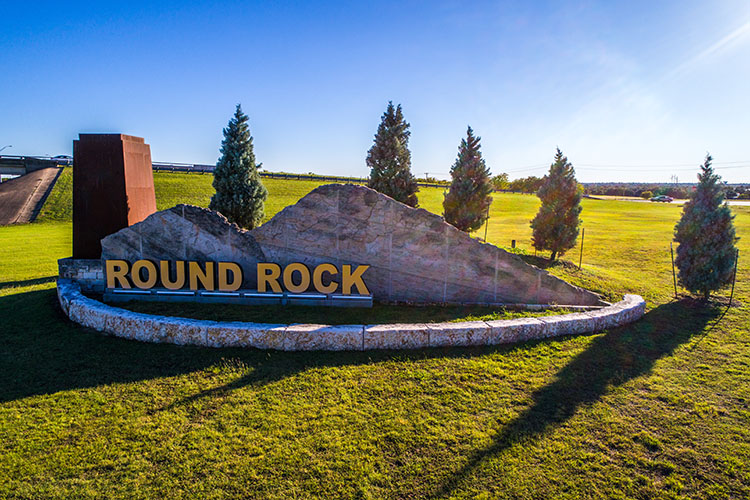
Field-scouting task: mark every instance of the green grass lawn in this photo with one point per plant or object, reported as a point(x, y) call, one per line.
point(658, 409)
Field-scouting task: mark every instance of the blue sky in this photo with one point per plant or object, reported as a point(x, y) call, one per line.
point(629, 91)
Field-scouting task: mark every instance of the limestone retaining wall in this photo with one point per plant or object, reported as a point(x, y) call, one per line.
point(89, 273)
point(183, 331)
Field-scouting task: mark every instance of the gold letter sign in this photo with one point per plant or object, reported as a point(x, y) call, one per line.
point(227, 276)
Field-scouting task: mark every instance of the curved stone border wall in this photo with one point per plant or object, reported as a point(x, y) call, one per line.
point(183, 331)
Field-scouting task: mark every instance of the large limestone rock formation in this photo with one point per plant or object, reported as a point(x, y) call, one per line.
point(186, 232)
point(414, 255)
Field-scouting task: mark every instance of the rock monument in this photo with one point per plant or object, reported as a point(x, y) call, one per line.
point(414, 255)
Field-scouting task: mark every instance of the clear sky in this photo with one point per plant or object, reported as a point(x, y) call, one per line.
point(629, 90)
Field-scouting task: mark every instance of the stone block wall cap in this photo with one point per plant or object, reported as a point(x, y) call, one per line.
point(397, 326)
point(514, 321)
point(303, 327)
point(292, 337)
point(456, 325)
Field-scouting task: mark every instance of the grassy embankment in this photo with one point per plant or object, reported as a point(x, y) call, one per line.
point(658, 409)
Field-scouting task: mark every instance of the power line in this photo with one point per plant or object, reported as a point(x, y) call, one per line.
point(653, 168)
point(659, 165)
point(685, 167)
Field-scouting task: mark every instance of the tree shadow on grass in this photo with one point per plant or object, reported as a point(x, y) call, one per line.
point(42, 352)
point(612, 359)
point(36, 281)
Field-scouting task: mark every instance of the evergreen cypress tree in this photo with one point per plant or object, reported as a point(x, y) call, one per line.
point(705, 232)
point(240, 195)
point(556, 224)
point(389, 158)
point(466, 204)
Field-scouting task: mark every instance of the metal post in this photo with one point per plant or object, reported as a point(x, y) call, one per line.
point(674, 274)
point(487, 222)
point(734, 278)
point(580, 258)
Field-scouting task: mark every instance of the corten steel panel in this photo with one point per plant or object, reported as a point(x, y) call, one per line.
point(113, 187)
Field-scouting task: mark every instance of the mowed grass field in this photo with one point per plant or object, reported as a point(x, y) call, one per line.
point(658, 409)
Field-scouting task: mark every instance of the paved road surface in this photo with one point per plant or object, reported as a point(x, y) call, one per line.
point(736, 203)
point(22, 198)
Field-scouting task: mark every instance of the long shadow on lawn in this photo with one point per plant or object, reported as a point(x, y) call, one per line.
point(42, 352)
point(612, 359)
point(22, 283)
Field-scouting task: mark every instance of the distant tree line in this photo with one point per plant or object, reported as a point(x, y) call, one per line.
point(737, 192)
point(638, 190)
point(681, 191)
point(529, 185)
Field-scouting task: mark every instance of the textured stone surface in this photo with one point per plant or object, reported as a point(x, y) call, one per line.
point(398, 336)
point(414, 255)
point(324, 337)
point(89, 273)
point(506, 331)
point(459, 334)
point(183, 331)
point(186, 232)
point(565, 324)
point(238, 334)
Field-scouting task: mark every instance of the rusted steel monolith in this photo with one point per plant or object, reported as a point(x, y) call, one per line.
point(113, 188)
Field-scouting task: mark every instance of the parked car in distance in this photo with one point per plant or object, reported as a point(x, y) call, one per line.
point(63, 159)
point(662, 197)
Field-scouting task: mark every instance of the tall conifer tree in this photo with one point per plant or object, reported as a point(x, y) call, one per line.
point(556, 224)
point(389, 158)
point(240, 195)
point(468, 200)
point(705, 232)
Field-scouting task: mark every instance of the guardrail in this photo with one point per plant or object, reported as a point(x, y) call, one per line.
point(208, 169)
point(51, 159)
point(202, 169)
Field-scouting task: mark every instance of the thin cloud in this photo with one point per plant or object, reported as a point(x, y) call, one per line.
point(724, 44)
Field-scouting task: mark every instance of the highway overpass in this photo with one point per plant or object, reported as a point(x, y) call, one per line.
point(22, 165)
